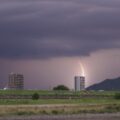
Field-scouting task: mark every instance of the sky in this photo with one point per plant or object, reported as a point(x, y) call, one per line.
point(47, 40)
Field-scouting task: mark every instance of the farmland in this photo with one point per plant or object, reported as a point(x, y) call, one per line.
point(57, 102)
point(12, 97)
point(45, 92)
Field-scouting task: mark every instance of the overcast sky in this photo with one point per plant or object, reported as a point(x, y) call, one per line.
point(47, 39)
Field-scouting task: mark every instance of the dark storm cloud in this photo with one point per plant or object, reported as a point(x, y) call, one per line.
point(51, 28)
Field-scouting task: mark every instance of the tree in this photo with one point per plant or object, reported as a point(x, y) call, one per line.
point(117, 96)
point(35, 96)
point(61, 87)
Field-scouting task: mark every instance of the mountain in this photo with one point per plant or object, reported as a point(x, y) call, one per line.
point(108, 84)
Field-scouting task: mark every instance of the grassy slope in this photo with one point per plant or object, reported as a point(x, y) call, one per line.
point(75, 106)
point(42, 92)
point(100, 100)
point(51, 107)
point(58, 101)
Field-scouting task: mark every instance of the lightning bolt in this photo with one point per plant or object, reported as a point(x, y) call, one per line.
point(82, 69)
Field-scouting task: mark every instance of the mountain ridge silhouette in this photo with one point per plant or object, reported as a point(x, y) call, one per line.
point(108, 84)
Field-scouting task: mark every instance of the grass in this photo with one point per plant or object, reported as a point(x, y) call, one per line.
point(58, 101)
point(58, 106)
point(45, 92)
point(55, 109)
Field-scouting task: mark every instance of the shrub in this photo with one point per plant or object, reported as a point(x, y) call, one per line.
point(35, 96)
point(55, 112)
point(43, 112)
point(117, 96)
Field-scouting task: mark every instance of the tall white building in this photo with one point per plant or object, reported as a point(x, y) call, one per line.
point(16, 81)
point(79, 83)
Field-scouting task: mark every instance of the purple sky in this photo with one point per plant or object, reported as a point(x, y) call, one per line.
point(47, 39)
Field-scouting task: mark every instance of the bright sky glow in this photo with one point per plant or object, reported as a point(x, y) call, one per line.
point(82, 69)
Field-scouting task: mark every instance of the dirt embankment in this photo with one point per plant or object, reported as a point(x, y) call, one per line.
point(106, 116)
point(54, 96)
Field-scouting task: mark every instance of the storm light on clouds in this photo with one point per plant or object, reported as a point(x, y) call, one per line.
point(47, 39)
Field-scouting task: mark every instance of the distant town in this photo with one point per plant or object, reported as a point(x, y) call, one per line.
point(16, 82)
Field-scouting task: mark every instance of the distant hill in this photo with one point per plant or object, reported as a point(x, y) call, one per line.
point(108, 84)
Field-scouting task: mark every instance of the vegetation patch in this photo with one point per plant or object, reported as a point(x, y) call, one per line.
point(61, 87)
point(117, 96)
point(35, 96)
point(58, 109)
point(36, 106)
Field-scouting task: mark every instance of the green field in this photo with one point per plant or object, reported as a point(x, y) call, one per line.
point(58, 106)
point(96, 100)
point(66, 106)
point(58, 101)
point(44, 92)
